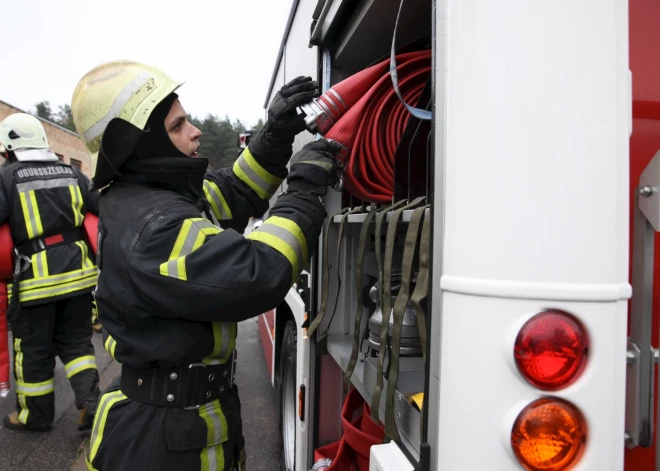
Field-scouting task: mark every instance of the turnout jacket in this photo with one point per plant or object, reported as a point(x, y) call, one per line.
point(45, 203)
point(173, 283)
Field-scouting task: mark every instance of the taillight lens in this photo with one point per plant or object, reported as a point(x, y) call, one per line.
point(549, 435)
point(551, 350)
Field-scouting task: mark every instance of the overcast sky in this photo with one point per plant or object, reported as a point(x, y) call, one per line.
point(224, 50)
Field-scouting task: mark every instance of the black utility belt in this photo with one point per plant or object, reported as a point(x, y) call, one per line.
point(183, 388)
point(38, 244)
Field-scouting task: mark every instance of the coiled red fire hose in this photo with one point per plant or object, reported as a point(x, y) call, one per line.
point(364, 114)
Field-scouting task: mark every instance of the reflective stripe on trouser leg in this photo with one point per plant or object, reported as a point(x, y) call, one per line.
point(23, 410)
point(100, 419)
point(35, 401)
point(79, 364)
point(213, 457)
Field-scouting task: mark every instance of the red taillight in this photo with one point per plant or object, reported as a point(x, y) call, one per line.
point(551, 350)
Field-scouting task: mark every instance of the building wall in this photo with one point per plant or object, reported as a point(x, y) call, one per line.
point(66, 144)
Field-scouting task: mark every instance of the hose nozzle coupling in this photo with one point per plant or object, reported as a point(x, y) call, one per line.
point(323, 112)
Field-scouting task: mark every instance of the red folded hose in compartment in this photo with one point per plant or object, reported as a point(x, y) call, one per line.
point(364, 114)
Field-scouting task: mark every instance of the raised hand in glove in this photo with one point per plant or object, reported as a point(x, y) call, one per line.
point(314, 167)
point(284, 122)
point(271, 147)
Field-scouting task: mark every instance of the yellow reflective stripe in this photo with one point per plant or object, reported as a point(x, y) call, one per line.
point(191, 237)
point(105, 404)
point(37, 217)
point(217, 200)
point(55, 279)
point(87, 362)
point(31, 214)
point(58, 290)
point(248, 170)
point(18, 359)
point(232, 342)
point(76, 204)
point(224, 342)
point(110, 345)
point(213, 457)
point(18, 366)
point(39, 265)
point(25, 412)
point(84, 253)
point(218, 329)
point(286, 237)
point(35, 389)
point(26, 216)
point(292, 228)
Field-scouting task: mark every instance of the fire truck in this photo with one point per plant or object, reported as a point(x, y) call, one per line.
point(522, 334)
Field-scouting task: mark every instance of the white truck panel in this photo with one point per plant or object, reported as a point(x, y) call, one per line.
point(301, 59)
point(537, 93)
point(535, 215)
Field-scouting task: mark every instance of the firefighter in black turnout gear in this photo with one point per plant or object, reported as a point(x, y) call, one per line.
point(176, 272)
point(50, 303)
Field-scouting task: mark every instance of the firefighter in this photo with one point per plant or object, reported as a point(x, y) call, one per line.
point(45, 201)
point(176, 273)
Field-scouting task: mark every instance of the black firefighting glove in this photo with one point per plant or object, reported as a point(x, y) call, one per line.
point(284, 122)
point(314, 167)
point(271, 147)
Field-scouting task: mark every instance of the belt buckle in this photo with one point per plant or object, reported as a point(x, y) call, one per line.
point(190, 367)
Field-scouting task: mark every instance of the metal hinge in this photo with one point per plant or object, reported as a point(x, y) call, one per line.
point(639, 426)
point(641, 356)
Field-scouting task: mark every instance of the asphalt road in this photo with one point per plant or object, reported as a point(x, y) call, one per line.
point(60, 449)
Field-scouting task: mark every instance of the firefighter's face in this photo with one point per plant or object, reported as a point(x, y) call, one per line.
point(183, 134)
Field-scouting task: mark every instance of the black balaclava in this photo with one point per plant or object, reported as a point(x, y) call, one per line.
point(156, 160)
point(155, 142)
